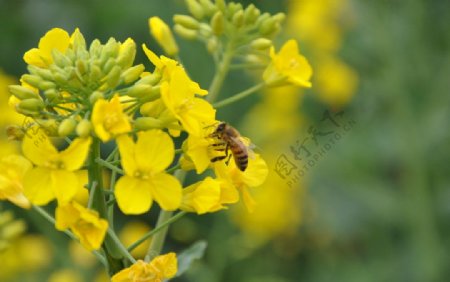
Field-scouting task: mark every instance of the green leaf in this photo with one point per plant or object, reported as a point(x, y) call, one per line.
point(186, 257)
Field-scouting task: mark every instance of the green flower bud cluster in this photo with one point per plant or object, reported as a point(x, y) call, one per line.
point(221, 23)
point(60, 93)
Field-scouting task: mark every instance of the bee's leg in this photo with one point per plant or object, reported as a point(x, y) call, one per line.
point(228, 160)
point(219, 158)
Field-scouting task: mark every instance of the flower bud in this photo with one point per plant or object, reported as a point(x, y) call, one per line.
point(132, 74)
point(151, 79)
point(31, 105)
point(195, 9)
point(45, 85)
point(95, 48)
point(95, 96)
point(208, 7)
point(96, 73)
point(84, 128)
point(78, 41)
point(113, 77)
point(251, 13)
point(212, 45)
point(66, 127)
point(279, 17)
point(22, 92)
point(221, 5)
point(163, 35)
point(81, 66)
point(186, 21)
point(127, 53)
point(110, 63)
point(184, 32)
point(218, 23)
point(267, 27)
point(145, 123)
point(140, 90)
point(238, 18)
point(234, 8)
point(60, 59)
point(51, 94)
point(261, 44)
point(43, 73)
point(32, 79)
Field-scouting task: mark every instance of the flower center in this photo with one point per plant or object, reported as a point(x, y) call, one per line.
point(141, 174)
point(55, 164)
point(111, 120)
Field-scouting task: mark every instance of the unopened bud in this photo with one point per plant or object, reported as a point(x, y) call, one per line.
point(81, 67)
point(261, 44)
point(139, 90)
point(45, 85)
point(32, 105)
point(66, 127)
point(145, 123)
point(84, 128)
point(96, 73)
point(234, 8)
point(79, 43)
point(212, 45)
point(60, 59)
point(279, 17)
point(95, 96)
point(218, 23)
point(251, 13)
point(95, 48)
point(127, 53)
point(208, 7)
point(267, 27)
point(238, 18)
point(113, 77)
point(163, 35)
point(151, 79)
point(32, 80)
point(43, 73)
point(195, 9)
point(221, 5)
point(51, 94)
point(110, 63)
point(184, 32)
point(132, 74)
point(22, 92)
point(186, 21)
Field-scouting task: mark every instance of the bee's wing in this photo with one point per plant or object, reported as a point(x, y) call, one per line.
point(250, 146)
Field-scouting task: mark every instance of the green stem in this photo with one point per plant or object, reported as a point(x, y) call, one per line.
point(50, 218)
point(108, 165)
point(113, 254)
point(239, 96)
point(156, 230)
point(120, 246)
point(221, 73)
point(159, 238)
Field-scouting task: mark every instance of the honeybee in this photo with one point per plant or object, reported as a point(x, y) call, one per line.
point(232, 140)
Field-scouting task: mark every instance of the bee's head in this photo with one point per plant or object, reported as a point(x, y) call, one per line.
point(221, 127)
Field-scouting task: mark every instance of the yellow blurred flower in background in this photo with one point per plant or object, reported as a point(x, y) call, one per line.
point(133, 231)
point(12, 171)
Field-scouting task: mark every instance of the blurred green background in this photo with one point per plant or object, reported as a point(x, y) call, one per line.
point(373, 207)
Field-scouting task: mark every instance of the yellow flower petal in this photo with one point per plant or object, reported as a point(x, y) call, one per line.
point(38, 186)
point(75, 155)
point(56, 38)
point(37, 147)
point(66, 215)
point(166, 265)
point(109, 120)
point(126, 149)
point(65, 185)
point(154, 150)
point(198, 152)
point(12, 171)
point(133, 195)
point(166, 190)
point(152, 57)
point(202, 197)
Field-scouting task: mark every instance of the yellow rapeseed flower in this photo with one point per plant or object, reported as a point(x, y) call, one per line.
point(55, 173)
point(160, 268)
point(12, 171)
point(253, 176)
point(109, 120)
point(83, 222)
point(179, 97)
point(163, 35)
point(288, 67)
point(55, 38)
point(144, 163)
